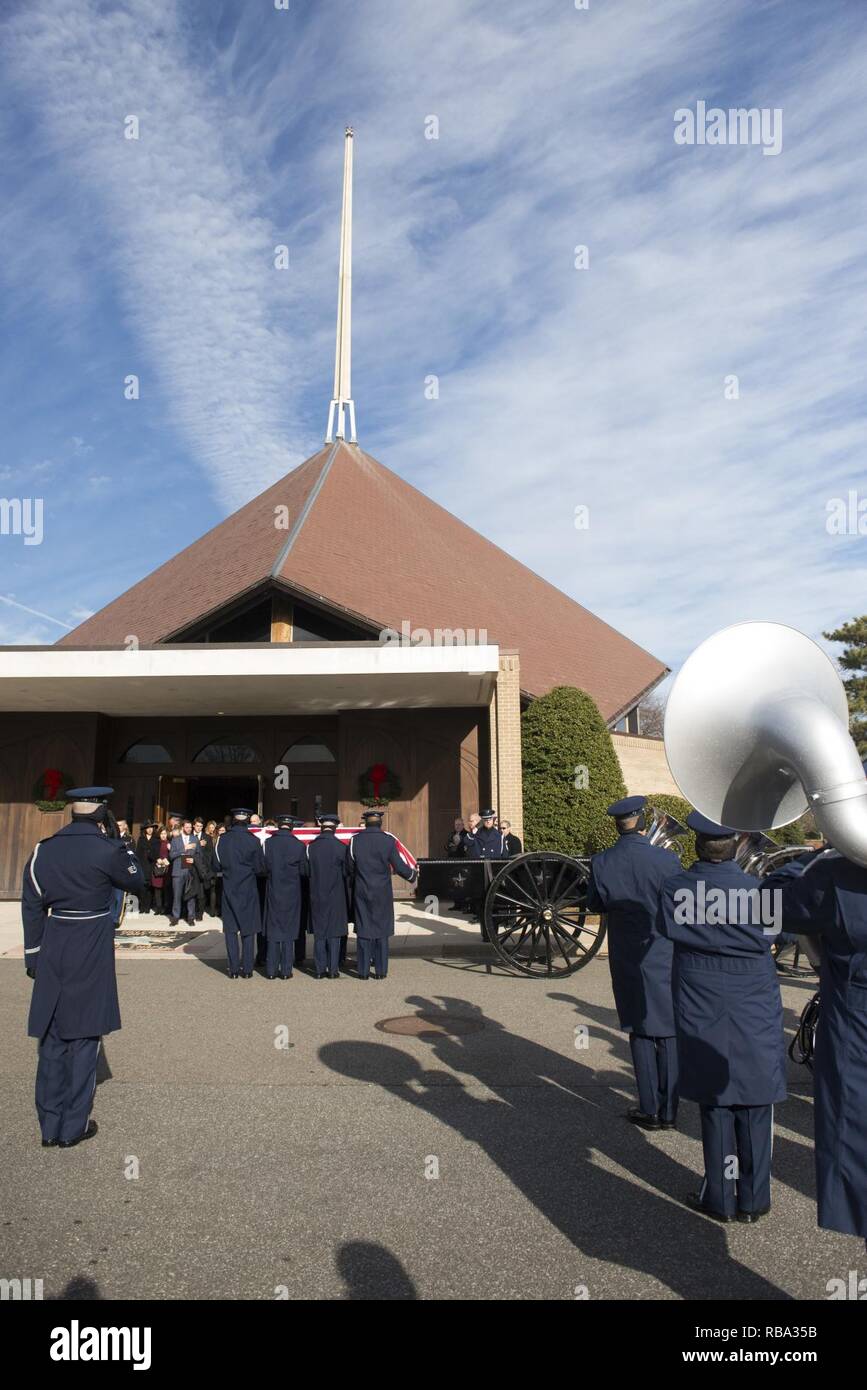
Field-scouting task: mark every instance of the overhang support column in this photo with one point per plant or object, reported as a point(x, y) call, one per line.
point(505, 732)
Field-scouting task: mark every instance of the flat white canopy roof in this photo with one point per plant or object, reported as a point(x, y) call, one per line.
point(256, 679)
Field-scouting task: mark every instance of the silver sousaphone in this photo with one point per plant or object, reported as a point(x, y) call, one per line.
point(757, 732)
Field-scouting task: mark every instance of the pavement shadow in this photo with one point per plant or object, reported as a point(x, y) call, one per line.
point(370, 1271)
point(80, 1289)
point(546, 1138)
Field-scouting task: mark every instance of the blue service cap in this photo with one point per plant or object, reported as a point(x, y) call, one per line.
point(372, 814)
point(629, 806)
point(285, 819)
point(702, 826)
point(330, 818)
point(240, 812)
point(488, 815)
point(88, 793)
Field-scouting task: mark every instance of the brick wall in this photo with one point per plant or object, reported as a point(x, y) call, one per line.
point(643, 764)
point(505, 726)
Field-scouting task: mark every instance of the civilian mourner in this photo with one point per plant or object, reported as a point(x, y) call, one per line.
point(286, 859)
point(67, 906)
point(329, 897)
point(624, 884)
point(729, 1019)
point(830, 898)
point(374, 855)
point(242, 864)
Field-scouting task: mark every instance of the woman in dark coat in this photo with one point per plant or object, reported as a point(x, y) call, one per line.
point(159, 868)
point(146, 853)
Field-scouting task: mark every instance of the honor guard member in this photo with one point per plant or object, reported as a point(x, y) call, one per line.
point(625, 881)
point(729, 1018)
point(374, 855)
point(830, 899)
point(487, 843)
point(67, 907)
point(328, 859)
point(242, 863)
point(288, 867)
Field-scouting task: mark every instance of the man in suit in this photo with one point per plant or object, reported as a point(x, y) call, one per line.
point(375, 856)
point(68, 915)
point(288, 870)
point(729, 1018)
point(180, 847)
point(625, 883)
point(328, 859)
point(511, 843)
point(242, 863)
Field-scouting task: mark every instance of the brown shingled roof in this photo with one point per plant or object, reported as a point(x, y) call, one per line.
point(344, 509)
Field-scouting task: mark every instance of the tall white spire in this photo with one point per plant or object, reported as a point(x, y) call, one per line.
point(342, 398)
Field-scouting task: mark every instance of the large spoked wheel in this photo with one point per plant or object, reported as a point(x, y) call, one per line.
point(535, 915)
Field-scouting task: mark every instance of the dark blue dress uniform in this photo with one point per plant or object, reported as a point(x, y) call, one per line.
point(328, 860)
point(488, 842)
point(374, 854)
point(830, 898)
point(729, 1018)
point(67, 907)
point(286, 860)
point(242, 863)
point(625, 883)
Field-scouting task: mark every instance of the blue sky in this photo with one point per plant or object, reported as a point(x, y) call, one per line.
point(558, 387)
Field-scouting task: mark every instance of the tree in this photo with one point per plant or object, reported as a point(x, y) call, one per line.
point(571, 774)
point(853, 635)
point(651, 713)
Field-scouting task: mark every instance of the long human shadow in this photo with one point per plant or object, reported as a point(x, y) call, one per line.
point(550, 1116)
point(370, 1271)
point(790, 1165)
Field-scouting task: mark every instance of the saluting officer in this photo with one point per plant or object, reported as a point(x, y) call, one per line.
point(67, 907)
point(625, 881)
point(328, 859)
point(242, 863)
point(487, 842)
point(830, 898)
point(729, 1018)
point(374, 854)
point(286, 859)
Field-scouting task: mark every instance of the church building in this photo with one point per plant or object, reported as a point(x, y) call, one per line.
point(272, 664)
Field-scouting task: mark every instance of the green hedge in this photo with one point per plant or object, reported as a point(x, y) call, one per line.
point(563, 733)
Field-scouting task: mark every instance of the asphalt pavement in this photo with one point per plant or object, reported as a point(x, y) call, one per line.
point(261, 1139)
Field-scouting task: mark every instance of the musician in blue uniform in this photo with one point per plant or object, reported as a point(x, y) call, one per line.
point(625, 883)
point(375, 855)
point(830, 899)
point(242, 863)
point(329, 865)
point(729, 1018)
point(286, 859)
point(69, 916)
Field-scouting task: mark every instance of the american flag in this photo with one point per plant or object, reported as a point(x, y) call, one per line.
point(343, 832)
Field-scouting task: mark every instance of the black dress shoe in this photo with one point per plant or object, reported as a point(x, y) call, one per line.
point(270, 977)
point(363, 977)
point(284, 975)
point(667, 1124)
point(694, 1202)
point(749, 1217)
point(246, 974)
point(643, 1120)
point(173, 921)
point(334, 974)
point(50, 1143)
point(319, 977)
point(232, 974)
point(91, 1130)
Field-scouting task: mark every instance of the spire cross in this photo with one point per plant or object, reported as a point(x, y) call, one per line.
point(342, 399)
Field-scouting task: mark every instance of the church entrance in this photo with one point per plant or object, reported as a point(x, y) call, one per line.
point(212, 798)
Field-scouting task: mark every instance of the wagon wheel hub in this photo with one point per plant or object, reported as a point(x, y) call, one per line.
point(547, 915)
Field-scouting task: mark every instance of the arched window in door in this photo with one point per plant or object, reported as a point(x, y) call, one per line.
point(146, 750)
point(226, 749)
point(309, 749)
